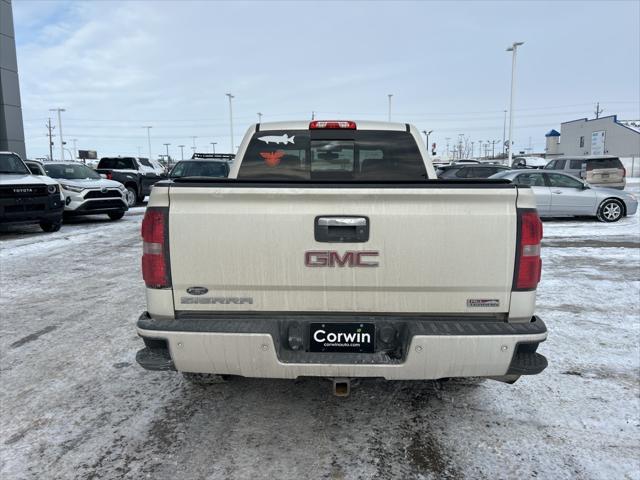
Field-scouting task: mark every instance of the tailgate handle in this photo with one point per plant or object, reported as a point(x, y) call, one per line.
point(341, 229)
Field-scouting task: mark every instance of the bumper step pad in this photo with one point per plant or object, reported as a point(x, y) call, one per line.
point(158, 360)
point(527, 363)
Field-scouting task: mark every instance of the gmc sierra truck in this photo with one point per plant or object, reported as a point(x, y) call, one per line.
point(332, 250)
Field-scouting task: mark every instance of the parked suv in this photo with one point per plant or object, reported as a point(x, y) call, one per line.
point(27, 198)
point(603, 171)
point(137, 174)
point(87, 193)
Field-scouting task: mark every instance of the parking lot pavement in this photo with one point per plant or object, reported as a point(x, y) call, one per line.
point(74, 404)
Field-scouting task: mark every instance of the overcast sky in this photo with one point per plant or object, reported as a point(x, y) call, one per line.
point(116, 66)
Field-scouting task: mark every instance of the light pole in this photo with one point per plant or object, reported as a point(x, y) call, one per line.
point(59, 110)
point(514, 49)
point(259, 117)
point(75, 150)
point(479, 149)
point(149, 127)
point(213, 147)
point(426, 134)
point(390, 95)
point(181, 152)
point(168, 158)
point(193, 137)
point(231, 119)
point(504, 128)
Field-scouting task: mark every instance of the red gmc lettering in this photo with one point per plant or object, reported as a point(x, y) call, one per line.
point(330, 258)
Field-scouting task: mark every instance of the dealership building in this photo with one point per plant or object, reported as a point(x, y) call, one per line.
point(598, 136)
point(11, 127)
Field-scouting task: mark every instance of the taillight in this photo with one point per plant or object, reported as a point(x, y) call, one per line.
point(155, 247)
point(624, 172)
point(332, 124)
point(528, 262)
point(109, 175)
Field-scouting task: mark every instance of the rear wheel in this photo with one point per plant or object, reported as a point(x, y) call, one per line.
point(132, 196)
point(116, 215)
point(49, 227)
point(610, 210)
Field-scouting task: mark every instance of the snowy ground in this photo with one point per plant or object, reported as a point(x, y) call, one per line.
point(74, 404)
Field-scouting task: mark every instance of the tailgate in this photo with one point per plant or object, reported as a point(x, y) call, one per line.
point(437, 250)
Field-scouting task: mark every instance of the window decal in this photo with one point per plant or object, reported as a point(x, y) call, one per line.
point(277, 139)
point(272, 159)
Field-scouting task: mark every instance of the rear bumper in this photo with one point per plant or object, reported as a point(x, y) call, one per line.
point(423, 348)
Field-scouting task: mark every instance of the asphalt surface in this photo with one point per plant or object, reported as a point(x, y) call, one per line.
point(74, 404)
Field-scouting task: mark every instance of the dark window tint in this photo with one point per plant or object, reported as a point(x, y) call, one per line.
point(575, 164)
point(530, 179)
point(450, 173)
point(350, 155)
point(119, 163)
point(477, 172)
point(551, 165)
point(604, 163)
point(200, 168)
point(560, 165)
point(557, 180)
point(35, 168)
point(145, 162)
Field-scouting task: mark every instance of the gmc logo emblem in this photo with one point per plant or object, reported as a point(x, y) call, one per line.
point(329, 258)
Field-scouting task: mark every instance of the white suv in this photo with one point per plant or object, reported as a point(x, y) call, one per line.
point(86, 192)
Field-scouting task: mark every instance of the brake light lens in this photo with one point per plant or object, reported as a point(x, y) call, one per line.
point(529, 264)
point(332, 124)
point(155, 265)
point(109, 176)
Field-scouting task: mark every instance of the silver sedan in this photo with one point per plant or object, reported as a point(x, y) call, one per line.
point(561, 195)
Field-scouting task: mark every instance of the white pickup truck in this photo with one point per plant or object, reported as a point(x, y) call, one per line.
point(333, 251)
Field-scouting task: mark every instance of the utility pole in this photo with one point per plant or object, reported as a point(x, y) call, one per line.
point(149, 127)
point(514, 49)
point(598, 110)
point(259, 117)
point(213, 146)
point(181, 152)
point(313, 115)
point(231, 120)
point(504, 128)
point(60, 110)
point(390, 95)
point(168, 157)
point(50, 129)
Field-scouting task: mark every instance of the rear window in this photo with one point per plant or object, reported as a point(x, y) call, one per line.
point(200, 168)
point(598, 163)
point(120, 163)
point(340, 155)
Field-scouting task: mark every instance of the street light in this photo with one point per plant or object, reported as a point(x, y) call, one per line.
point(168, 157)
point(426, 134)
point(193, 137)
point(181, 152)
point(149, 127)
point(390, 95)
point(59, 110)
point(213, 147)
point(259, 117)
point(514, 49)
point(75, 150)
point(231, 119)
